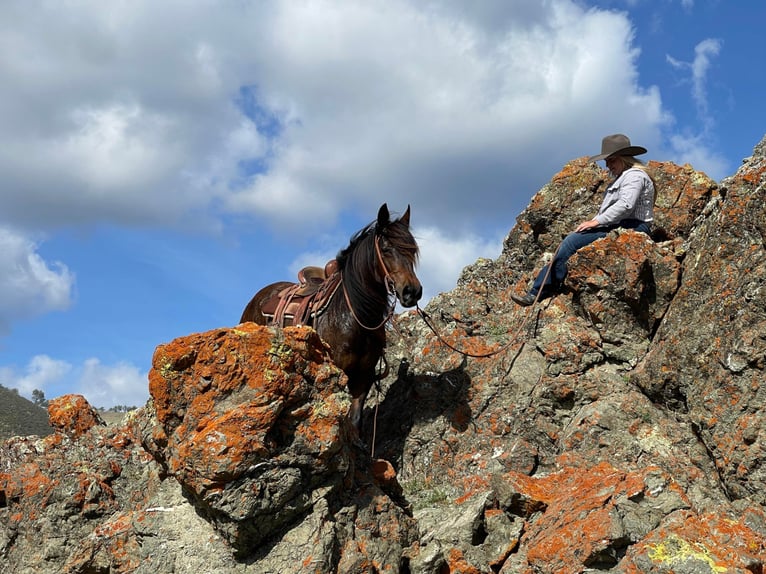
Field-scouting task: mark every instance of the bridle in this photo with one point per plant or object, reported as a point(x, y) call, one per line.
point(388, 281)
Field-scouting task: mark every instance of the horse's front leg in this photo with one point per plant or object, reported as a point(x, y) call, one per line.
point(356, 410)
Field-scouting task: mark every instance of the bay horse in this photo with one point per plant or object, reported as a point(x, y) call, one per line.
point(376, 268)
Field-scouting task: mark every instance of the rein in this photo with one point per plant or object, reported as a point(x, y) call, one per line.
point(427, 320)
point(390, 290)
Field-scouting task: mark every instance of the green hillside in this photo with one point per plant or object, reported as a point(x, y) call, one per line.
point(18, 416)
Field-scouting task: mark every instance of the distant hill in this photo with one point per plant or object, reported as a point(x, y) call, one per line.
point(19, 416)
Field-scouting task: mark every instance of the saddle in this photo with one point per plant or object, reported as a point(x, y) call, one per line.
point(302, 302)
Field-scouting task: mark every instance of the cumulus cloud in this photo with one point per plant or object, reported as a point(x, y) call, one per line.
point(443, 257)
point(446, 118)
point(102, 385)
point(29, 285)
point(293, 112)
point(112, 385)
point(40, 373)
point(694, 150)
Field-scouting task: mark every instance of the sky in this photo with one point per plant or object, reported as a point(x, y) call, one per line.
point(162, 161)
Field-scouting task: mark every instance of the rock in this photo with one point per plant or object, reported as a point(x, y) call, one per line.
point(616, 427)
point(252, 424)
point(72, 415)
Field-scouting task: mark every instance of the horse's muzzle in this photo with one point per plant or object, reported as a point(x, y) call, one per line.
point(410, 295)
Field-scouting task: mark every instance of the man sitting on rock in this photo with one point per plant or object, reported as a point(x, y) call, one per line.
point(628, 203)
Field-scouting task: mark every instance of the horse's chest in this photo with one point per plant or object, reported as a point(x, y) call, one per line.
point(351, 351)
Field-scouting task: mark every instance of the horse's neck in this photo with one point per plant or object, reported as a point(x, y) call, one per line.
point(367, 297)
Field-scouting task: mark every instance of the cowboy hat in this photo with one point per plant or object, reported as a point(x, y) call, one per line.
point(617, 144)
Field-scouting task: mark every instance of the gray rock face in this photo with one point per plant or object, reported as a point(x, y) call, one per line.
point(616, 427)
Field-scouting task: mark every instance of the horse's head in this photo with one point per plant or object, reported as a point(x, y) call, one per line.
point(398, 253)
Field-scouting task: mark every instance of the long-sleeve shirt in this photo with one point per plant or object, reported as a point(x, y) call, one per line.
point(630, 196)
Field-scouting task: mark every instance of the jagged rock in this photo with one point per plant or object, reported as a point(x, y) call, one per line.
point(469, 536)
point(595, 375)
point(589, 516)
point(243, 461)
point(56, 492)
point(686, 543)
point(616, 427)
point(73, 415)
point(252, 425)
point(710, 351)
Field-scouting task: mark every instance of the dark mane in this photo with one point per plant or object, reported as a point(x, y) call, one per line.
point(358, 262)
point(356, 239)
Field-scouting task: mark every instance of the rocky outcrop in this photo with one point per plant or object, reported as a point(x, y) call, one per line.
point(243, 460)
point(617, 427)
point(619, 423)
point(252, 424)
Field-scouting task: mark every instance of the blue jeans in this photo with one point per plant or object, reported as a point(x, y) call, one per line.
point(570, 245)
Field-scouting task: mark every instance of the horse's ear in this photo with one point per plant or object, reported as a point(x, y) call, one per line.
point(384, 218)
point(406, 217)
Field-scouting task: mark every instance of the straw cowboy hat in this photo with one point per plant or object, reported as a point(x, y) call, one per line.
point(617, 144)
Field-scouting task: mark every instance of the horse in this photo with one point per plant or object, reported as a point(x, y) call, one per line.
point(376, 268)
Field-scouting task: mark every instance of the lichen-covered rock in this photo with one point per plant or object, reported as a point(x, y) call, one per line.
point(243, 461)
point(596, 376)
point(252, 423)
point(617, 427)
point(587, 516)
point(710, 351)
point(56, 491)
point(698, 544)
point(73, 415)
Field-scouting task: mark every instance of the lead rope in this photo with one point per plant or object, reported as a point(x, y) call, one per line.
point(427, 320)
point(382, 374)
point(375, 421)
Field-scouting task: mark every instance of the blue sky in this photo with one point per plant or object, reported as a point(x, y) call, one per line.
point(162, 161)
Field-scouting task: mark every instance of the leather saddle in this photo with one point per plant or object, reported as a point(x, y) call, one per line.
point(302, 302)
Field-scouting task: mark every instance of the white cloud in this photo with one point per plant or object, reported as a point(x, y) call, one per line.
point(703, 52)
point(692, 149)
point(291, 112)
point(463, 110)
point(694, 146)
point(698, 70)
point(102, 385)
point(443, 257)
point(40, 373)
point(112, 146)
point(111, 385)
point(29, 285)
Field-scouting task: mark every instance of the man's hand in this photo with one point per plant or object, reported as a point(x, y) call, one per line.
point(585, 225)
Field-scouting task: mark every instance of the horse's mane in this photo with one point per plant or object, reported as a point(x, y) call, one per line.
point(359, 264)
